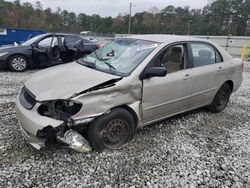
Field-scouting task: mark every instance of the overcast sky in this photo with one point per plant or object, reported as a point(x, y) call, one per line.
point(114, 7)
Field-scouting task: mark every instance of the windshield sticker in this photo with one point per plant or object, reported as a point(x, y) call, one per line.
point(147, 46)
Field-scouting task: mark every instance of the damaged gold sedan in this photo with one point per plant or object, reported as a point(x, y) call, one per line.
point(100, 100)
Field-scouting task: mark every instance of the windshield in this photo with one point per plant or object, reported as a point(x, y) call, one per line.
point(32, 40)
point(121, 56)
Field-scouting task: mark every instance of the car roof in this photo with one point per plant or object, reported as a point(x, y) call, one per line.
point(63, 34)
point(179, 38)
point(164, 38)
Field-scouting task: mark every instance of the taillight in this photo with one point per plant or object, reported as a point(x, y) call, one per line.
point(98, 46)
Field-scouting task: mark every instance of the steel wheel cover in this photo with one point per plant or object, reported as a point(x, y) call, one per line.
point(115, 134)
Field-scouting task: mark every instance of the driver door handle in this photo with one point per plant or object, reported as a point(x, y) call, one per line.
point(187, 77)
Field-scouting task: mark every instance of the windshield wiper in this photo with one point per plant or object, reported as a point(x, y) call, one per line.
point(96, 55)
point(110, 66)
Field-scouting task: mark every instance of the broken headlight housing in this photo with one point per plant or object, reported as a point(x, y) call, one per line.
point(59, 109)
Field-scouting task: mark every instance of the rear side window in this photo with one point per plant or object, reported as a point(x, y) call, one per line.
point(86, 41)
point(70, 41)
point(203, 54)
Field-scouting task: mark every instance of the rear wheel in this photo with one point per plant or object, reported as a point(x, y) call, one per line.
point(112, 131)
point(221, 99)
point(18, 63)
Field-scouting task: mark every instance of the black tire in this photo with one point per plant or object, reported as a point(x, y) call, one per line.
point(221, 99)
point(112, 131)
point(18, 63)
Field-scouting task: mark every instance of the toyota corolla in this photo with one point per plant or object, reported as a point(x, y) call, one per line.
point(101, 99)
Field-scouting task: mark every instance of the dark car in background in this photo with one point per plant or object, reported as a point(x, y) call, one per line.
point(44, 51)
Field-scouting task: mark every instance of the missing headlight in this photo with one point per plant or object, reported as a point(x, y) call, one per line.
point(59, 109)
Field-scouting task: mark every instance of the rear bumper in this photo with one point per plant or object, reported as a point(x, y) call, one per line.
point(30, 122)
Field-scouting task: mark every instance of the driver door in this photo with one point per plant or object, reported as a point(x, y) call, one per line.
point(169, 95)
point(46, 52)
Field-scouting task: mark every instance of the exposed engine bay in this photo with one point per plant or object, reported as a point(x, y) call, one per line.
point(59, 109)
point(71, 132)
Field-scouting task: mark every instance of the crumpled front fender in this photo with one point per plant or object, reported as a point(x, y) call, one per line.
point(98, 102)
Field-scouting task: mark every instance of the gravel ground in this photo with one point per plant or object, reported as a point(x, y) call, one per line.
point(196, 149)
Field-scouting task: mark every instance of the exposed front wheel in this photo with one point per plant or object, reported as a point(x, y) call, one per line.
point(112, 131)
point(221, 99)
point(18, 63)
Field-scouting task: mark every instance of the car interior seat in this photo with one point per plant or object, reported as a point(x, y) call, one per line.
point(174, 60)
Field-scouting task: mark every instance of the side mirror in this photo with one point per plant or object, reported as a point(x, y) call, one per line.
point(16, 44)
point(154, 72)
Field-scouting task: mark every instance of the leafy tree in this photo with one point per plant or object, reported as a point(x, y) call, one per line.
point(222, 17)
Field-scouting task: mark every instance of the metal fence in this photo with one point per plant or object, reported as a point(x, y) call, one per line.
point(233, 44)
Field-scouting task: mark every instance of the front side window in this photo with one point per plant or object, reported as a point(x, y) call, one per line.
point(203, 54)
point(32, 40)
point(53, 41)
point(120, 56)
point(173, 58)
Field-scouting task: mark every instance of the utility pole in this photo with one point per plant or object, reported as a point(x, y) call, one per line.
point(129, 21)
point(189, 22)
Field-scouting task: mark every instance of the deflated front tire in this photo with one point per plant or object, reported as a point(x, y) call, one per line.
point(112, 130)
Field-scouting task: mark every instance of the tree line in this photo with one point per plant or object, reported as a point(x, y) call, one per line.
point(223, 17)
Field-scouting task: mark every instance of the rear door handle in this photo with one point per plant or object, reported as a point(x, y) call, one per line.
point(187, 77)
point(220, 69)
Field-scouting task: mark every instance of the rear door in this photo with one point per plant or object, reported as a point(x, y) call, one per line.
point(207, 73)
point(89, 46)
point(72, 47)
point(166, 96)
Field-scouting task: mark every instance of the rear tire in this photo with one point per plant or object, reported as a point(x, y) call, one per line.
point(221, 99)
point(112, 131)
point(18, 63)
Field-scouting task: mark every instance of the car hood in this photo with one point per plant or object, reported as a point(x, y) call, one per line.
point(65, 81)
point(12, 48)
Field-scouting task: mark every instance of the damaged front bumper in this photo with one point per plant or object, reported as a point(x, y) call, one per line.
point(36, 129)
point(31, 122)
